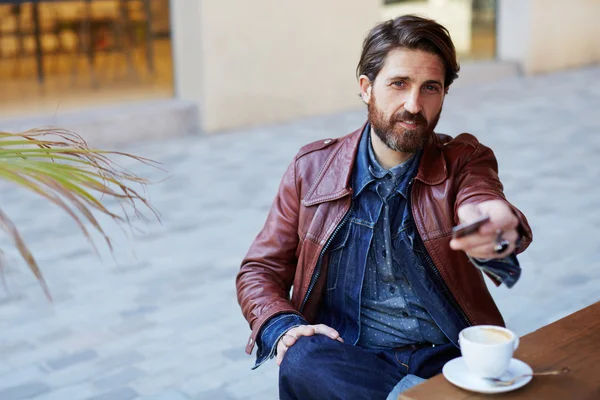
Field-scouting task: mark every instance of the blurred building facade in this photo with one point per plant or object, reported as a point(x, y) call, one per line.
point(254, 62)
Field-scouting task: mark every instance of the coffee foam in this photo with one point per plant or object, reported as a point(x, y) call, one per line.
point(488, 336)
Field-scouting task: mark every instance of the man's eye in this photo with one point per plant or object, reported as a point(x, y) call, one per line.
point(431, 88)
point(399, 83)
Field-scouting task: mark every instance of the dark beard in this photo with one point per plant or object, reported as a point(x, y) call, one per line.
point(394, 135)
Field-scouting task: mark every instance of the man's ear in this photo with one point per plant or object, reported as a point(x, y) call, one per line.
point(366, 86)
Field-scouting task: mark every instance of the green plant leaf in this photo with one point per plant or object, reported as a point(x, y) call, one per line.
point(59, 166)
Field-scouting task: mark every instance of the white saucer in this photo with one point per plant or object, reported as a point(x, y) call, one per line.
point(455, 371)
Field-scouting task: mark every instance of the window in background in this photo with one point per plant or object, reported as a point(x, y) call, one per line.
point(483, 30)
point(472, 23)
point(57, 56)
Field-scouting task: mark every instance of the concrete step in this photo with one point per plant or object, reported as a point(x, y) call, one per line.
point(115, 125)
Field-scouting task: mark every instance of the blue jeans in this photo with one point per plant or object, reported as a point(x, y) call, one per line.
point(318, 367)
point(405, 383)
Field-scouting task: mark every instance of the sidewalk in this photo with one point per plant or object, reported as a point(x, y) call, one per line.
point(164, 323)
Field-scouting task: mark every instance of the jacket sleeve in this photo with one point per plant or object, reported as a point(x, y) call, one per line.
point(271, 332)
point(267, 272)
point(478, 181)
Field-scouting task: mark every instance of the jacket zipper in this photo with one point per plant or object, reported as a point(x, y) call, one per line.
point(317, 272)
point(436, 273)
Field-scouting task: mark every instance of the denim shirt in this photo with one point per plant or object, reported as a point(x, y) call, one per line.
point(391, 314)
point(341, 306)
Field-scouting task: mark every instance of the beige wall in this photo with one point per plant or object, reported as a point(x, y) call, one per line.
point(514, 21)
point(263, 61)
point(187, 51)
point(549, 35)
point(564, 34)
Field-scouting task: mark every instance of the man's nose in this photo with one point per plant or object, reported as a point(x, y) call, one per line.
point(413, 103)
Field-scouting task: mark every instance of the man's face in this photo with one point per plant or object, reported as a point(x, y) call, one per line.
point(405, 100)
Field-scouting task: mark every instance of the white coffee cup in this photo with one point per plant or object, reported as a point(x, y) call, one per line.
point(487, 349)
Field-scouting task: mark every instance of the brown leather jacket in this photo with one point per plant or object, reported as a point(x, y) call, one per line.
point(314, 196)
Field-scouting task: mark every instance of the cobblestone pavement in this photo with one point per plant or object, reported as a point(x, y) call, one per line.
point(162, 321)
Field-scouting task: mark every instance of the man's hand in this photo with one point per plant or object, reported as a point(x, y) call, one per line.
point(481, 243)
point(290, 337)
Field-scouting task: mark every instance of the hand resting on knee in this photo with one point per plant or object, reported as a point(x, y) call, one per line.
point(289, 338)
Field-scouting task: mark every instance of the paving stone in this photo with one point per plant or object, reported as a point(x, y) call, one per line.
point(166, 361)
point(73, 376)
point(246, 388)
point(81, 391)
point(72, 359)
point(132, 326)
point(575, 280)
point(157, 333)
point(234, 354)
point(154, 385)
point(210, 380)
point(22, 375)
point(220, 394)
point(4, 369)
point(170, 395)
point(139, 311)
point(120, 360)
point(118, 394)
point(272, 393)
point(80, 341)
point(15, 348)
point(58, 335)
point(24, 391)
point(195, 386)
point(119, 378)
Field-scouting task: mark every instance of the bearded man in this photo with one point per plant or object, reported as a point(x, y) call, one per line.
point(355, 284)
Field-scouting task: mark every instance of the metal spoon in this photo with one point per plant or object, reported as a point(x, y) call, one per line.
point(500, 382)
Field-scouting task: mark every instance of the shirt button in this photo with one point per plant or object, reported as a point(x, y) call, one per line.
point(392, 289)
point(384, 253)
point(404, 314)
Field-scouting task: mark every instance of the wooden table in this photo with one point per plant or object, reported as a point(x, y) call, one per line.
point(573, 342)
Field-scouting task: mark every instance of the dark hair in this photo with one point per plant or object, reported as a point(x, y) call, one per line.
point(411, 32)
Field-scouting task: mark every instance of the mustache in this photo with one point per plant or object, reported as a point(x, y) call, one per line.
point(407, 116)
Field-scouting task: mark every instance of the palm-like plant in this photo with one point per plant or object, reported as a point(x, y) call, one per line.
point(59, 166)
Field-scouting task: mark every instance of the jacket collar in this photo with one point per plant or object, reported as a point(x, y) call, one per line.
point(334, 179)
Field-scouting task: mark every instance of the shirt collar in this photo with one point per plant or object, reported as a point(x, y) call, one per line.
point(362, 176)
point(375, 169)
point(368, 168)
